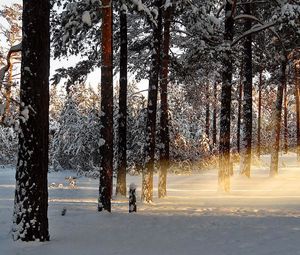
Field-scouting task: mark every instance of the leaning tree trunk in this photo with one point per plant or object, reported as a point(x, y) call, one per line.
point(106, 133)
point(164, 117)
point(147, 183)
point(277, 119)
point(297, 97)
point(285, 121)
point(259, 114)
point(122, 141)
point(247, 106)
point(30, 221)
point(224, 147)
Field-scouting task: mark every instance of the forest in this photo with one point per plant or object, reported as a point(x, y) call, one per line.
point(221, 99)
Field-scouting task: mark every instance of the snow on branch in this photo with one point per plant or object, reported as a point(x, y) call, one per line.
point(3, 70)
point(254, 29)
point(140, 7)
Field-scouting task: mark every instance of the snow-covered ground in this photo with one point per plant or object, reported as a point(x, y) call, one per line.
point(259, 216)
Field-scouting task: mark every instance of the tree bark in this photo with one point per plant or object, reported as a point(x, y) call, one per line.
point(224, 147)
point(214, 133)
point(277, 119)
point(121, 174)
point(30, 221)
point(247, 106)
point(147, 183)
point(106, 133)
point(259, 114)
point(207, 111)
point(238, 135)
point(285, 121)
point(164, 117)
point(297, 97)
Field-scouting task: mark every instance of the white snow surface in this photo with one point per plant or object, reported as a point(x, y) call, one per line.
point(260, 216)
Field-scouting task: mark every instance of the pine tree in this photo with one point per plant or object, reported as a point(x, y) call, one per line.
point(31, 195)
point(106, 150)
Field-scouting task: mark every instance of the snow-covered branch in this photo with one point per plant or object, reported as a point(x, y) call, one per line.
point(253, 30)
point(3, 70)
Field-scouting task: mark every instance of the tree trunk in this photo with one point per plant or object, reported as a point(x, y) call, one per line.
point(238, 135)
point(147, 185)
point(121, 175)
point(297, 96)
point(106, 133)
point(285, 121)
point(247, 106)
point(259, 114)
point(277, 119)
point(164, 117)
point(8, 89)
point(207, 120)
point(224, 148)
point(214, 134)
point(30, 221)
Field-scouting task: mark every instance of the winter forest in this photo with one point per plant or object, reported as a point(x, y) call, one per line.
point(150, 127)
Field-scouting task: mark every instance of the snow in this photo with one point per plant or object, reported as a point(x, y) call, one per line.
point(260, 216)
point(86, 18)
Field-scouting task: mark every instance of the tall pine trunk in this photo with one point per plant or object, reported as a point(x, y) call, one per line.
point(214, 124)
point(259, 114)
point(247, 106)
point(106, 133)
point(30, 221)
point(164, 117)
point(207, 112)
point(297, 98)
point(277, 117)
point(238, 134)
point(224, 147)
point(122, 141)
point(285, 120)
point(147, 182)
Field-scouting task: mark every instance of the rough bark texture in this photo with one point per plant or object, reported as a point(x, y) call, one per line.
point(122, 141)
point(164, 117)
point(247, 106)
point(30, 221)
point(259, 114)
point(214, 133)
point(277, 118)
point(297, 97)
point(106, 150)
point(147, 183)
point(224, 148)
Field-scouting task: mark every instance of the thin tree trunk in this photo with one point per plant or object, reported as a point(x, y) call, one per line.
point(8, 89)
point(238, 135)
point(297, 96)
point(30, 221)
point(224, 149)
point(277, 119)
point(285, 121)
point(259, 114)
point(106, 133)
point(214, 134)
point(164, 117)
point(247, 106)
point(207, 120)
point(121, 175)
point(147, 183)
